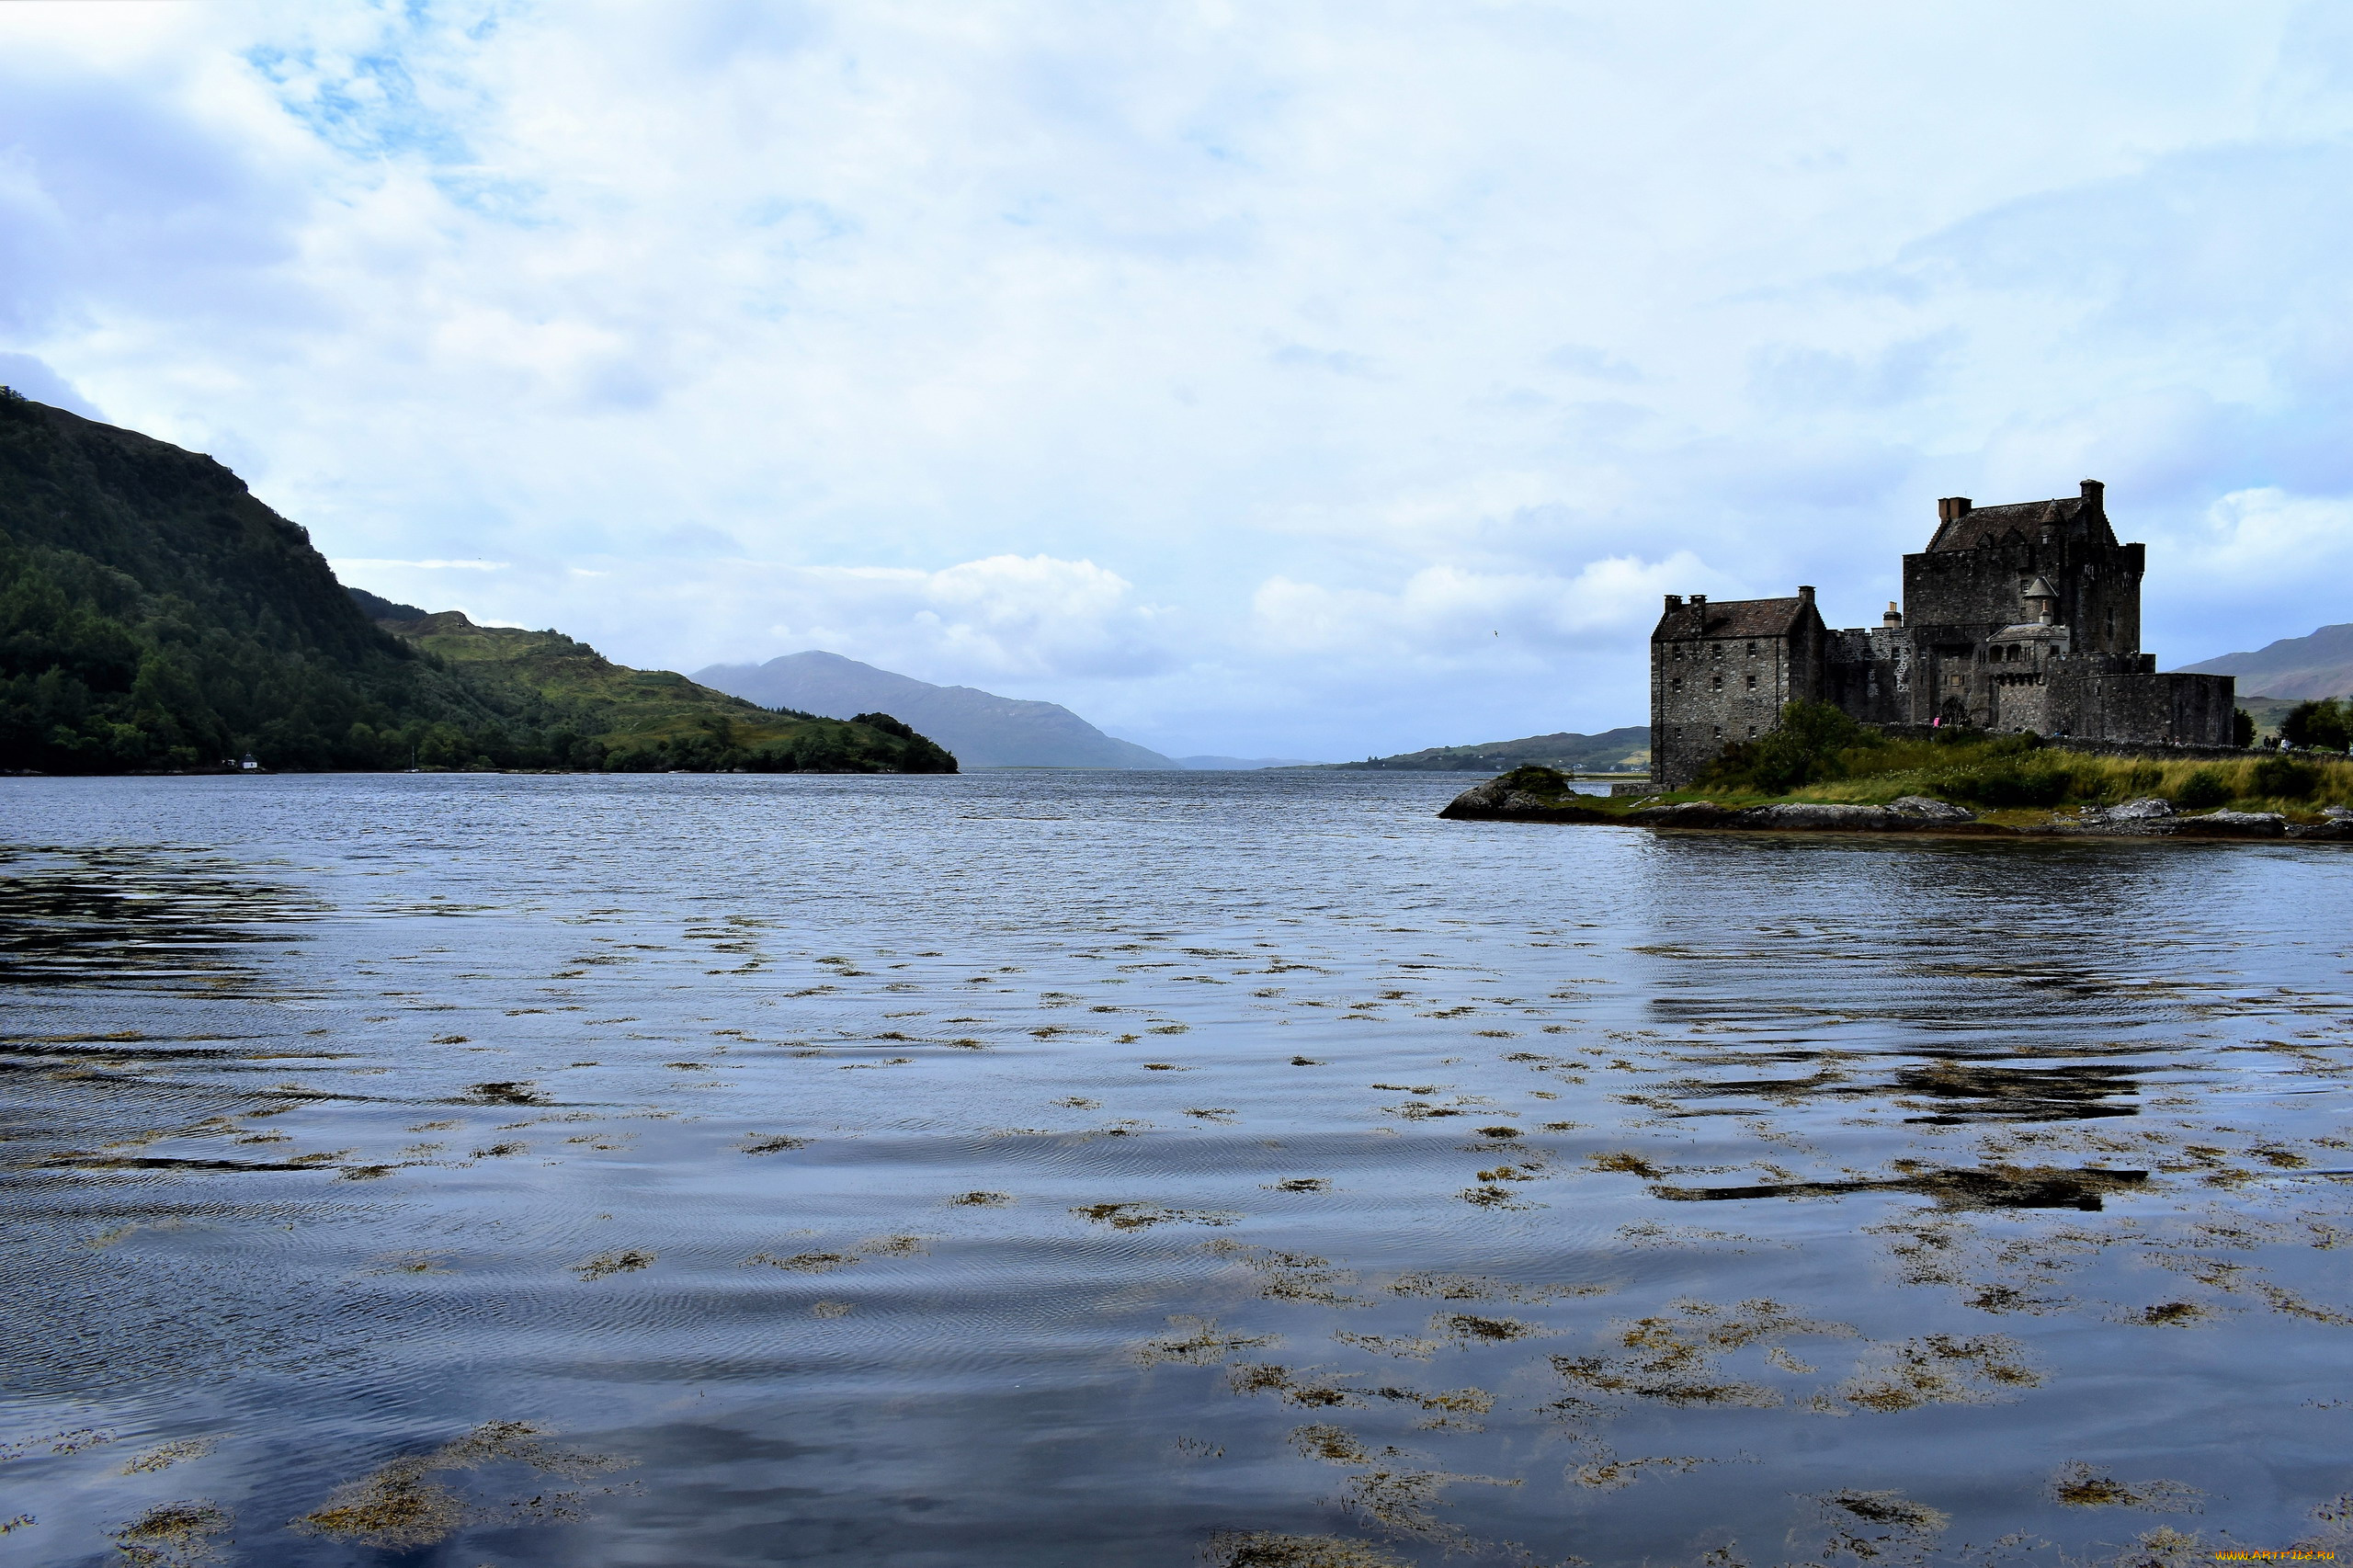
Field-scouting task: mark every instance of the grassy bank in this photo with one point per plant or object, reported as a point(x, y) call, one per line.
point(1819, 753)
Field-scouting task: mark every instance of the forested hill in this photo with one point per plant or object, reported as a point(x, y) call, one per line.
point(1626, 749)
point(155, 616)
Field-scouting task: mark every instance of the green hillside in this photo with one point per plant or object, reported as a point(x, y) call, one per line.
point(646, 719)
point(1621, 750)
point(155, 616)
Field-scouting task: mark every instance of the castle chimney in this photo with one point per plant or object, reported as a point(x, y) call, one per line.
point(1700, 608)
point(1806, 592)
point(1952, 506)
point(1893, 617)
point(2095, 497)
point(1674, 603)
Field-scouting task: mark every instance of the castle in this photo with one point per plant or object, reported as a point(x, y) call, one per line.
point(2024, 617)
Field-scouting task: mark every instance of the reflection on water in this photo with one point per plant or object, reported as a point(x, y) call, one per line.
point(1070, 1169)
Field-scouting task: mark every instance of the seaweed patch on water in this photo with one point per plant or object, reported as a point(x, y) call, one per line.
point(1877, 1527)
point(1650, 1233)
point(1334, 1444)
point(2016, 1274)
point(1269, 1549)
point(979, 1200)
point(770, 1143)
point(1478, 1288)
point(72, 1442)
point(1403, 1501)
point(1138, 1215)
point(400, 1507)
point(1399, 1500)
point(515, 1091)
point(1445, 1407)
point(604, 1264)
point(2170, 1314)
point(1674, 1360)
point(1937, 1369)
point(805, 1262)
point(166, 1455)
point(1198, 1342)
point(1291, 1276)
point(2079, 1485)
point(1489, 1196)
point(895, 1245)
point(1469, 1328)
point(1309, 1392)
point(174, 1535)
point(1616, 1474)
point(1405, 1346)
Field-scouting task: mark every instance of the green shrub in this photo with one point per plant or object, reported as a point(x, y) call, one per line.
point(1810, 748)
point(2204, 788)
point(2325, 723)
point(2007, 781)
point(1536, 780)
point(2284, 778)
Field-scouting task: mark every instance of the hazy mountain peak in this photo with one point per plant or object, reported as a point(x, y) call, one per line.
point(981, 728)
point(2306, 667)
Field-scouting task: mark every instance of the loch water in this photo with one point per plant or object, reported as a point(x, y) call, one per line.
point(1087, 1168)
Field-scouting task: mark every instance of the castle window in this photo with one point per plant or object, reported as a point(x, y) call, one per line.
point(1752, 683)
point(1720, 731)
point(1717, 683)
point(1752, 731)
point(1752, 650)
point(1678, 651)
point(1719, 650)
point(1675, 685)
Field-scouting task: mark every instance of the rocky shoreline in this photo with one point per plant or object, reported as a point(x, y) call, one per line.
point(2149, 817)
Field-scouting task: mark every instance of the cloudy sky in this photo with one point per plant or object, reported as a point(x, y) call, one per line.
point(1309, 379)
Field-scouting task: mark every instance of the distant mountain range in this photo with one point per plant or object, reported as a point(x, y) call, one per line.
point(982, 729)
point(1239, 764)
point(2300, 667)
point(1620, 750)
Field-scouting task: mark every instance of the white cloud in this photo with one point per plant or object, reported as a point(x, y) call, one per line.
point(1229, 374)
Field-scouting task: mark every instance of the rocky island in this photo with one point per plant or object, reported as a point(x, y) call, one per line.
point(1821, 771)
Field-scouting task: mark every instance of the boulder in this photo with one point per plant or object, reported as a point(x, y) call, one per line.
point(2148, 808)
point(1477, 799)
point(2234, 824)
point(1927, 809)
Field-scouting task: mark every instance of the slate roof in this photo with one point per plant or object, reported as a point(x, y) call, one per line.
point(1987, 525)
point(1732, 618)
